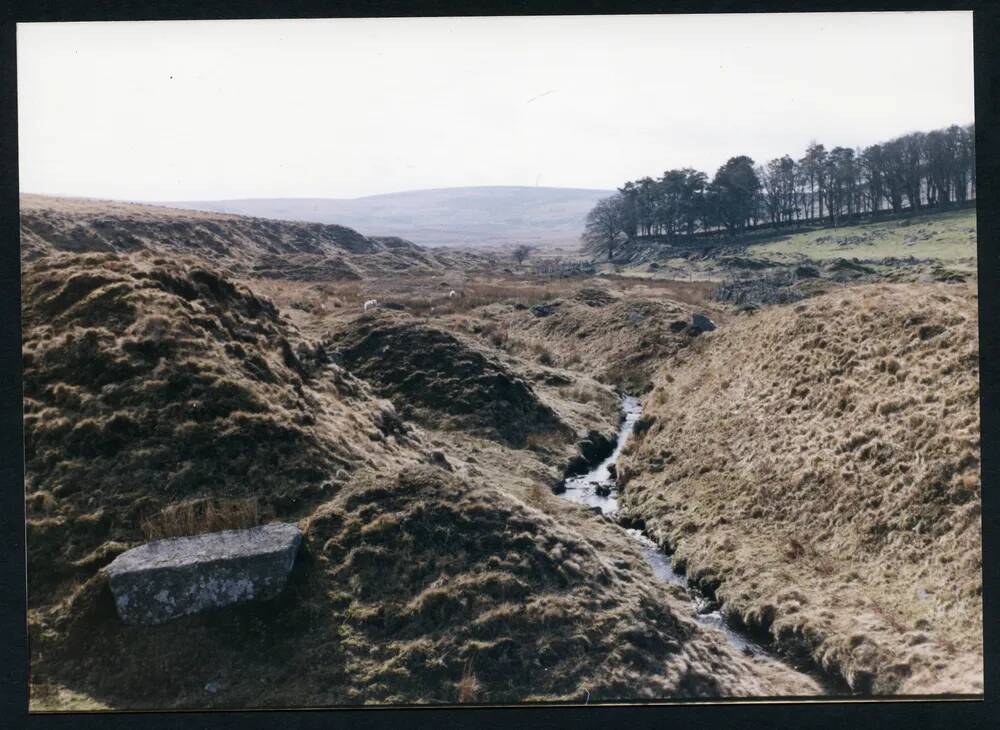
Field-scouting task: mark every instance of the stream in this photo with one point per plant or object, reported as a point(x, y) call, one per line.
point(597, 489)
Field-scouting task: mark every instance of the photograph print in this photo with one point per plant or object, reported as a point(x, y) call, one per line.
point(463, 361)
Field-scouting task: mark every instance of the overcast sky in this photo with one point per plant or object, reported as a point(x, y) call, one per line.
point(345, 108)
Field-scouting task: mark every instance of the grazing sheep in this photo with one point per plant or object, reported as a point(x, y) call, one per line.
point(452, 294)
point(371, 303)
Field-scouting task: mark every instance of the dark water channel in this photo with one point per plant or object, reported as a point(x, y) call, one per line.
point(597, 489)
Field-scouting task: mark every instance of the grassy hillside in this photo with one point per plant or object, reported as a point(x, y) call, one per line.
point(436, 564)
point(814, 464)
point(949, 238)
point(931, 246)
point(237, 245)
point(817, 465)
point(150, 383)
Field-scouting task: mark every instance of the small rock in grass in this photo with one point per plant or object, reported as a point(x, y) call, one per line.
point(702, 323)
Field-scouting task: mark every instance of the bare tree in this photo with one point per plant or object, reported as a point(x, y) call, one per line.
point(606, 225)
point(812, 165)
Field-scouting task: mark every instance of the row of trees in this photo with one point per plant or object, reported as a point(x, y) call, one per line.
point(908, 173)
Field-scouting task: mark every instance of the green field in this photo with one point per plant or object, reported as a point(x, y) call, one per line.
point(947, 237)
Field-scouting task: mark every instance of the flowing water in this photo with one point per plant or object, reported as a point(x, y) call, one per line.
point(597, 489)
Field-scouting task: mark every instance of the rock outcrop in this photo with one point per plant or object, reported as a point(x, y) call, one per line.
point(594, 449)
point(165, 579)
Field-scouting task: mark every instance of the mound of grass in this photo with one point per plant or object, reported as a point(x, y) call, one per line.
point(147, 384)
point(237, 245)
point(418, 587)
point(438, 378)
point(620, 341)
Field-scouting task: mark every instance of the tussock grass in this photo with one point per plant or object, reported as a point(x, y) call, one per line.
point(835, 442)
point(419, 586)
point(147, 385)
point(165, 397)
point(468, 686)
point(442, 379)
point(197, 516)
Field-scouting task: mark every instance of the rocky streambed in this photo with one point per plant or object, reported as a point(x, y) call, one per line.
point(597, 489)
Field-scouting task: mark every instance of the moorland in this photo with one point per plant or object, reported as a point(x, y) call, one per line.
point(810, 464)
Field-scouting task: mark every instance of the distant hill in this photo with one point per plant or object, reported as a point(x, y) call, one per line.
point(238, 245)
point(473, 216)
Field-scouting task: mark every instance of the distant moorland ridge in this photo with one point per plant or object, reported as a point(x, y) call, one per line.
point(469, 216)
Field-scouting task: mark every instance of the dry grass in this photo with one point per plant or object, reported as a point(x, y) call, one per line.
point(498, 335)
point(150, 384)
point(579, 394)
point(239, 245)
point(545, 440)
point(836, 443)
point(160, 399)
point(468, 686)
point(692, 293)
point(417, 586)
point(197, 516)
point(620, 343)
point(482, 294)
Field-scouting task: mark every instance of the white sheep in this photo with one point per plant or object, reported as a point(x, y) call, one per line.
point(452, 294)
point(371, 303)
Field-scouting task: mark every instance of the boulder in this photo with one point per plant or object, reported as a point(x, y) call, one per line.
point(702, 323)
point(543, 310)
point(576, 466)
point(439, 459)
point(594, 449)
point(598, 446)
point(165, 579)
